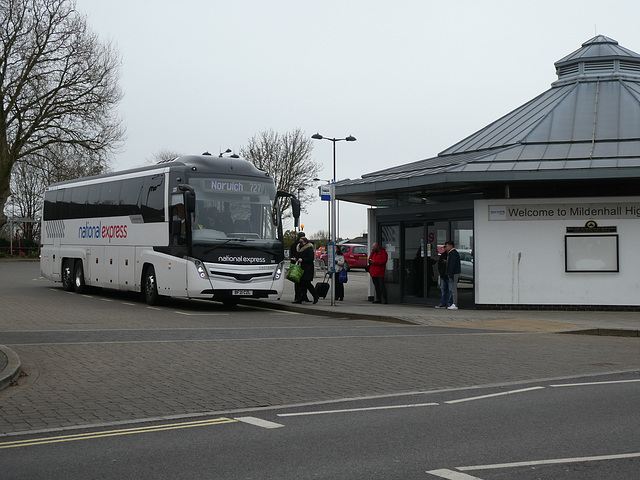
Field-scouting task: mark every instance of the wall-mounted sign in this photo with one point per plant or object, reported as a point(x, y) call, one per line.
point(591, 253)
point(592, 227)
point(563, 211)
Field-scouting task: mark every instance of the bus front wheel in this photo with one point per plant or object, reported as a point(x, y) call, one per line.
point(67, 275)
point(151, 287)
point(78, 278)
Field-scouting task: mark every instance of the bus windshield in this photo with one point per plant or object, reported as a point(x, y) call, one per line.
point(230, 209)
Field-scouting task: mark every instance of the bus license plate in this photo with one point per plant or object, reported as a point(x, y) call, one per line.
point(242, 292)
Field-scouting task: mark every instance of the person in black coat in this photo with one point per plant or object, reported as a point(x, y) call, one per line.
point(306, 259)
point(300, 295)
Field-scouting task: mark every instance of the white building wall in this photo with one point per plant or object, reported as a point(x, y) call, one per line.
point(520, 259)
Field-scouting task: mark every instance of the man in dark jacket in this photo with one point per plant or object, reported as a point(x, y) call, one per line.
point(453, 272)
point(299, 295)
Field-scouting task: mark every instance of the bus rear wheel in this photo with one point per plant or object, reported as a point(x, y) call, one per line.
point(67, 275)
point(78, 278)
point(151, 287)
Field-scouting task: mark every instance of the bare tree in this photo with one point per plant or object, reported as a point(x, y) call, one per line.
point(58, 88)
point(30, 177)
point(286, 157)
point(163, 155)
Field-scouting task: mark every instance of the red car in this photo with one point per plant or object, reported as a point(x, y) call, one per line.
point(355, 255)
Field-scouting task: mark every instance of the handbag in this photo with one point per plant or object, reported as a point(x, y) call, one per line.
point(342, 276)
point(295, 273)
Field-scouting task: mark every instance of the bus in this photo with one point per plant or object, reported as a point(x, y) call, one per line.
point(197, 226)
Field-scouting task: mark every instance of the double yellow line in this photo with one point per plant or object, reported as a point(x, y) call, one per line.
point(113, 433)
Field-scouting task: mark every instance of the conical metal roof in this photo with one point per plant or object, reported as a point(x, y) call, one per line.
point(587, 123)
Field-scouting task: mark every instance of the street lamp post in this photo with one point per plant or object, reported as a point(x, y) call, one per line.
point(334, 227)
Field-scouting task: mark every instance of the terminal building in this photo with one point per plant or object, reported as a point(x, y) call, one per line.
point(543, 204)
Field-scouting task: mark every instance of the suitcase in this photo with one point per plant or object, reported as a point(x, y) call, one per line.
point(322, 288)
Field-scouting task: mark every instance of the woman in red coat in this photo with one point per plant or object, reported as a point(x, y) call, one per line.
point(377, 264)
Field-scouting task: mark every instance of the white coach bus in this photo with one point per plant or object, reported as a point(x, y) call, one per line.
point(193, 227)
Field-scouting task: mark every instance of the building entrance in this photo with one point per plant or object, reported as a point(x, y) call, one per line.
point(414, 249)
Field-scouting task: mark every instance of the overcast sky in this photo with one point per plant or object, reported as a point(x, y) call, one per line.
point(407, 78)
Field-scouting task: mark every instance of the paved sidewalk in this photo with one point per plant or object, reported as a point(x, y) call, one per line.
point(357, 305)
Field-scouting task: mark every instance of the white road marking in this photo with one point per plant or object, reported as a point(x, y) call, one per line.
point(387, 407)
point(258, 422)
point(451, 475)
point(594, 383)
point(481, 397)
point(190, 314)
point(553, 461)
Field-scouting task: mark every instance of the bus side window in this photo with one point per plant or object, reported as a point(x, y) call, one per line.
point(49, 212)
point(64, 198)
point(93, 201)
point(130, 196)
point(79, 202)
point(109, 199)
point(152, 201)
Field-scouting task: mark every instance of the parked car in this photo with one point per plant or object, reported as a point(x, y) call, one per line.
point(466, 265)
point(355, 255)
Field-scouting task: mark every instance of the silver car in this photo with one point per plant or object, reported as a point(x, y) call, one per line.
point(466, 265)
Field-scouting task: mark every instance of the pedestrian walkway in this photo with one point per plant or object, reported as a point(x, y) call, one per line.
point(356, 304)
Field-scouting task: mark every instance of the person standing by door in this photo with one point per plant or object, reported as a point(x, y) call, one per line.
point(377, 265)
point(445, 297)
point(453, 272)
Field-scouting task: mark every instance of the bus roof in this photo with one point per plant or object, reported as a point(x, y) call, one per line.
point(193, 163)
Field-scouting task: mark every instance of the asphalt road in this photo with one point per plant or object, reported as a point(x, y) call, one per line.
point(107, 361)
point(577, 430)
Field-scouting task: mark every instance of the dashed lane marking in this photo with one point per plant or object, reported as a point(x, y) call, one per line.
point(451, 475)
point(258, 422)
point(552, 461)
point(594, 383)
point(364, 409)
point(189, 314)
point(481, 397)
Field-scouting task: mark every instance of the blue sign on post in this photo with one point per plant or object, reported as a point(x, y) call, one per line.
point(325, 192)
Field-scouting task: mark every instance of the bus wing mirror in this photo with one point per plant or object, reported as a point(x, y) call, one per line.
point(189, 197)
point(190, 201)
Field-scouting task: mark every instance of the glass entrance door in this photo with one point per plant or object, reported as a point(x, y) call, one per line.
point(437, 234)
point(413, 262)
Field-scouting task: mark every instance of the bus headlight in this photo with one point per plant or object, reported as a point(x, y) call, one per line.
point(200, 268)
point(278, 272)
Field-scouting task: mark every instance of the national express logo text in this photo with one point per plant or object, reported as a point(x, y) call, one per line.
point(98, 231)
point(242, 259)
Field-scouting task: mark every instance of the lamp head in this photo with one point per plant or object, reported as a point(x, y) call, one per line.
point(317, 136)
point(350, 138)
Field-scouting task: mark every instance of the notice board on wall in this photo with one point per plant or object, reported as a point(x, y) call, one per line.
point(591, 253)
